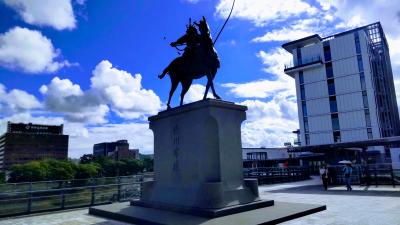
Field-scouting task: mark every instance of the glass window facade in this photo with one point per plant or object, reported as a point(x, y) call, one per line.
point(333, 103)
point(369, 133)
point(302, 93)
point(327, 51)
point(307, 139)
point(299, 59)
point(331, 87)
point(335, 121)
point(306, 129)
point(362, 81)
point(329, 70)
point(357, 42)
point(301, 77)
point(336, 136)
point(360, 63)
point(367, 117)
point(365, 99)
point(304, 107)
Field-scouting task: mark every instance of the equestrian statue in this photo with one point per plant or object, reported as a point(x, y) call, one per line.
point(199, 59)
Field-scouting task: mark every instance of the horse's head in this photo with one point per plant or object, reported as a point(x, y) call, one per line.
point(203, 26)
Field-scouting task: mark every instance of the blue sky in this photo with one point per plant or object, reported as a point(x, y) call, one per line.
point(93, 65)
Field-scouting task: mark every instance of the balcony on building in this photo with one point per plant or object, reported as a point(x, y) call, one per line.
point(306, 63)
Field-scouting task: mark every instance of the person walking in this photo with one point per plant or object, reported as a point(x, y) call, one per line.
point(323, 172)
point(347, 170)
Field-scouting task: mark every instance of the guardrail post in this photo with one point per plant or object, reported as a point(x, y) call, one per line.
point(119, 189)
point(62, 199)
point(29, 198)
point(392, 175)
point(93, 195)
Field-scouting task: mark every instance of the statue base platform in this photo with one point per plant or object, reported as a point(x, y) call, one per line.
point(279, 213)
point(205, 212)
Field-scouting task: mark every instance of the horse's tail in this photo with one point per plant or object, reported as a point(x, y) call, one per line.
point(172, 67)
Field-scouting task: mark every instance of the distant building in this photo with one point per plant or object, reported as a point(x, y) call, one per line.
point(23, 143)
point(345, 88)
point(117, 150)
point(264, 153)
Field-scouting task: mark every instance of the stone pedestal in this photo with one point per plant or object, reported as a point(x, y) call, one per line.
point(199, 175)
point(198, 164)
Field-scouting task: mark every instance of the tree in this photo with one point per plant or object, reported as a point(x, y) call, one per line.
point(130, 166)
point(87, 158)
point(60, 169)
point(32, 171)
point(148, 164)
point(88, 170)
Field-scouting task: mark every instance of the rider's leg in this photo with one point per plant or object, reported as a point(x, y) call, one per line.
point(174, 85)
point(185, 87)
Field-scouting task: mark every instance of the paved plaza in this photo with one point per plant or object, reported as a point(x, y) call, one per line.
point(362, 206)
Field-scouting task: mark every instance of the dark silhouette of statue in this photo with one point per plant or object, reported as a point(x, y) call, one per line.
point(199, 59)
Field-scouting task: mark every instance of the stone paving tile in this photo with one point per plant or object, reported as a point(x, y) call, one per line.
point(74, 217)
point(376, 206)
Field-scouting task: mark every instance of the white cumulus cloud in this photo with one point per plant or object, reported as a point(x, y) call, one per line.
point(29, 51)
point(111, 89)
point(123, 91)
point(62, 96)
point(196, 93)
point(263, 12)
point(270, 123)
point(16, 101)
point(55, 13)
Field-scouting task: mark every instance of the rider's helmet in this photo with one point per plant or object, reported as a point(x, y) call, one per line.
point(191, 30)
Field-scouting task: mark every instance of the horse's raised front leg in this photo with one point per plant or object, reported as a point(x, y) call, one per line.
point(174, 85)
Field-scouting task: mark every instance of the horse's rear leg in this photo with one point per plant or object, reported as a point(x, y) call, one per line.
point(213, 91)
point(212, 85)
point(207, 88)
point(185, 87)
point(174, 85)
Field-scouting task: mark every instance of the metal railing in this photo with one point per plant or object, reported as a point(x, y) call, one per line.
point(303, 62)
point(33, 197)
point(268, 175)
point(369, 174)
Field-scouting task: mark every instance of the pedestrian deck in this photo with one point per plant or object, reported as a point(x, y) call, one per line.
point(362, 206)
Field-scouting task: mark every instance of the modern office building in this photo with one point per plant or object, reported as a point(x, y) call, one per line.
point(344, 84)
point(23, 143)
point(117, 150)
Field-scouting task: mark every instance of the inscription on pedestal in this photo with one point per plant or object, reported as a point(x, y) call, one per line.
point(175, 135)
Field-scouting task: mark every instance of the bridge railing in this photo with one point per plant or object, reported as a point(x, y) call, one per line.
point(268, 175)
point(34, 197)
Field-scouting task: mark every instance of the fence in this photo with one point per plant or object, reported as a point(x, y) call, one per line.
point(268, 175)
point(371, 174)
point(33, 197)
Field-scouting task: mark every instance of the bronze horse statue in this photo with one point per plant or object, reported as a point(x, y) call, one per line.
point(198, 60)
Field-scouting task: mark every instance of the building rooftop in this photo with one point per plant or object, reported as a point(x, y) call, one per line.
point(316, 38)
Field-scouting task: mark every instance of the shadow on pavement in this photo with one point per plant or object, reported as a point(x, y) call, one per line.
point(318, 189)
